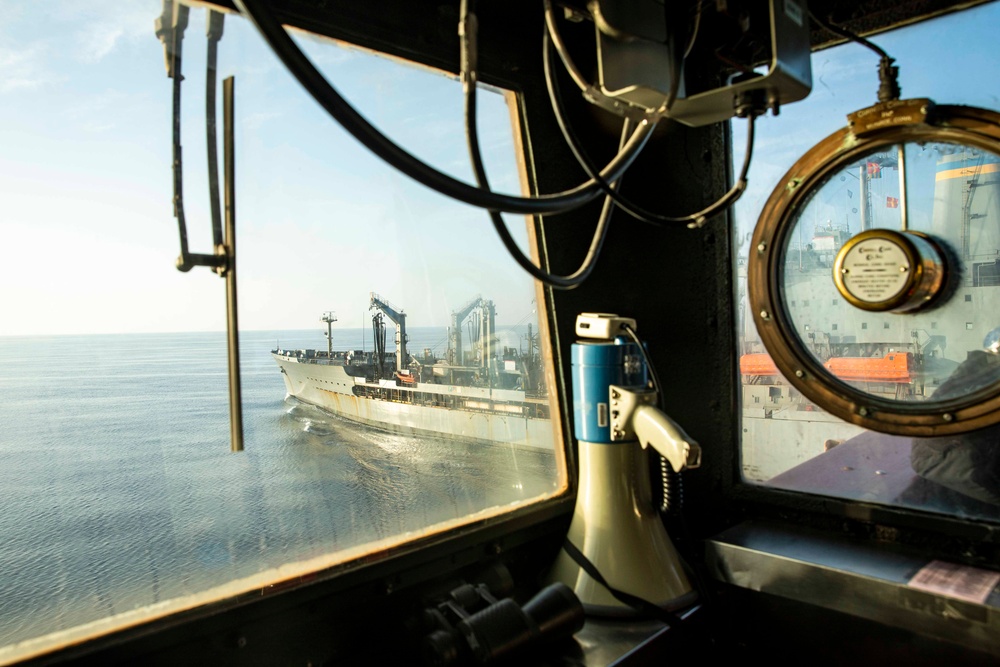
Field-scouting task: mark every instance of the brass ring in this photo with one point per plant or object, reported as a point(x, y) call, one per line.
point(969, 126)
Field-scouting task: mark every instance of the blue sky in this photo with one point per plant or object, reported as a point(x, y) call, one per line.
point(85, 181)
point(962, 68)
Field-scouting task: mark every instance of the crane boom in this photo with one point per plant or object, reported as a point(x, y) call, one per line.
point(398, 318)
point(457, 318)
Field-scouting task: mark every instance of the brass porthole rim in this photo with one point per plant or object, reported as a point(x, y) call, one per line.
point(979, 128)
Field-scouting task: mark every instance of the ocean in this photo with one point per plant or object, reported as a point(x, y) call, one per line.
point(118, 489)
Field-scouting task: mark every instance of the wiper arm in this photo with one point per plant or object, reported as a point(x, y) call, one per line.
point(170, 27)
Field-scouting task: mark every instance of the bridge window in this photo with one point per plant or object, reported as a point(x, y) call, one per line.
point(121, 500)
point(799, 447)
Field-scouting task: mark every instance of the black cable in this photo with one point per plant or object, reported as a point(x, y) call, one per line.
point(634, 337)
point(468, 32)
point(695, 573)
point(846, 34)
point(351, 120)
point(697, 219)
point(888, 75)
point(642, 605)
point(694, 31)
point(672, 489)
point(569, 135)
point(671, 485)
point(553, 31)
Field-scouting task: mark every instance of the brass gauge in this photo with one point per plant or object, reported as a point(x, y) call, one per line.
point(884, 270)
point(874, 270)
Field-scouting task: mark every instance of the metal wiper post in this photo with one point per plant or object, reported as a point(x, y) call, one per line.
point(229, 270)
point(170, 26)
point(213, 32)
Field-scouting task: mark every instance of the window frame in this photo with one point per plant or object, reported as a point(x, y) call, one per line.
point(521, 532)
point(962, 539)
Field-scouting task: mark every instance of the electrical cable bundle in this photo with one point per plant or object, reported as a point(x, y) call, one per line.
point(635, 134)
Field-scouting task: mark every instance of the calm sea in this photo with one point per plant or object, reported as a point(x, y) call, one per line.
point(118, 490)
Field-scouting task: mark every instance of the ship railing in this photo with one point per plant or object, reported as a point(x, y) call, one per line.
point(381, 299)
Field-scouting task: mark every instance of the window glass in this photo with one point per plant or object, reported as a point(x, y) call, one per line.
point(121, 498)
point(952, 197)
point(790, 443)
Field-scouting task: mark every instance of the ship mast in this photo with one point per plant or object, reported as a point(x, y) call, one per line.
point(329, 317)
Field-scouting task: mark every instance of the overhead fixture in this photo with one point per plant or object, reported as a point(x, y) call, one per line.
point(640, 49)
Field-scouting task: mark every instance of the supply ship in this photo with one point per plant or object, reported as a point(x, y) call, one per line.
point(482, 394)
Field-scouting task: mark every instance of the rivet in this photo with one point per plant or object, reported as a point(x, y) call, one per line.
point(761, 247)
point(764, 315)
point(947, 416)
point(863, 411)
point(799, 374)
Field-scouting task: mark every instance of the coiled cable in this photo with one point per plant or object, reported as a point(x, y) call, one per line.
point(469, 77)
point(358, 126)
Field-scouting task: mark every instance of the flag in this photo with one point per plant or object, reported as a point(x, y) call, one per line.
point(874, 170)
point(892, 202)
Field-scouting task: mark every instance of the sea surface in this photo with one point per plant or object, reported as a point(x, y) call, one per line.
point(118, 489)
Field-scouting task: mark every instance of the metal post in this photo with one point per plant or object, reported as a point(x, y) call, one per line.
point(864, 201)
point(232, 323)
point(902, 186)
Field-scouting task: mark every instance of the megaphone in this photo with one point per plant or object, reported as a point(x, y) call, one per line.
point(615, 525)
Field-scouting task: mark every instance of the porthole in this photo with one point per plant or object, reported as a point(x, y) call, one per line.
point(886, 220)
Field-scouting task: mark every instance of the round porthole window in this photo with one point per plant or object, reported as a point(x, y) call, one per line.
point(874, 271)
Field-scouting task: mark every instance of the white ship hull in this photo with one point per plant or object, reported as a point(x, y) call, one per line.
point(476, 414)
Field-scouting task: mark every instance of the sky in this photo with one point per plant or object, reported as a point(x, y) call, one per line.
point(951, 60)
point(89, 236)
point(86, 185)
point(962, 69)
